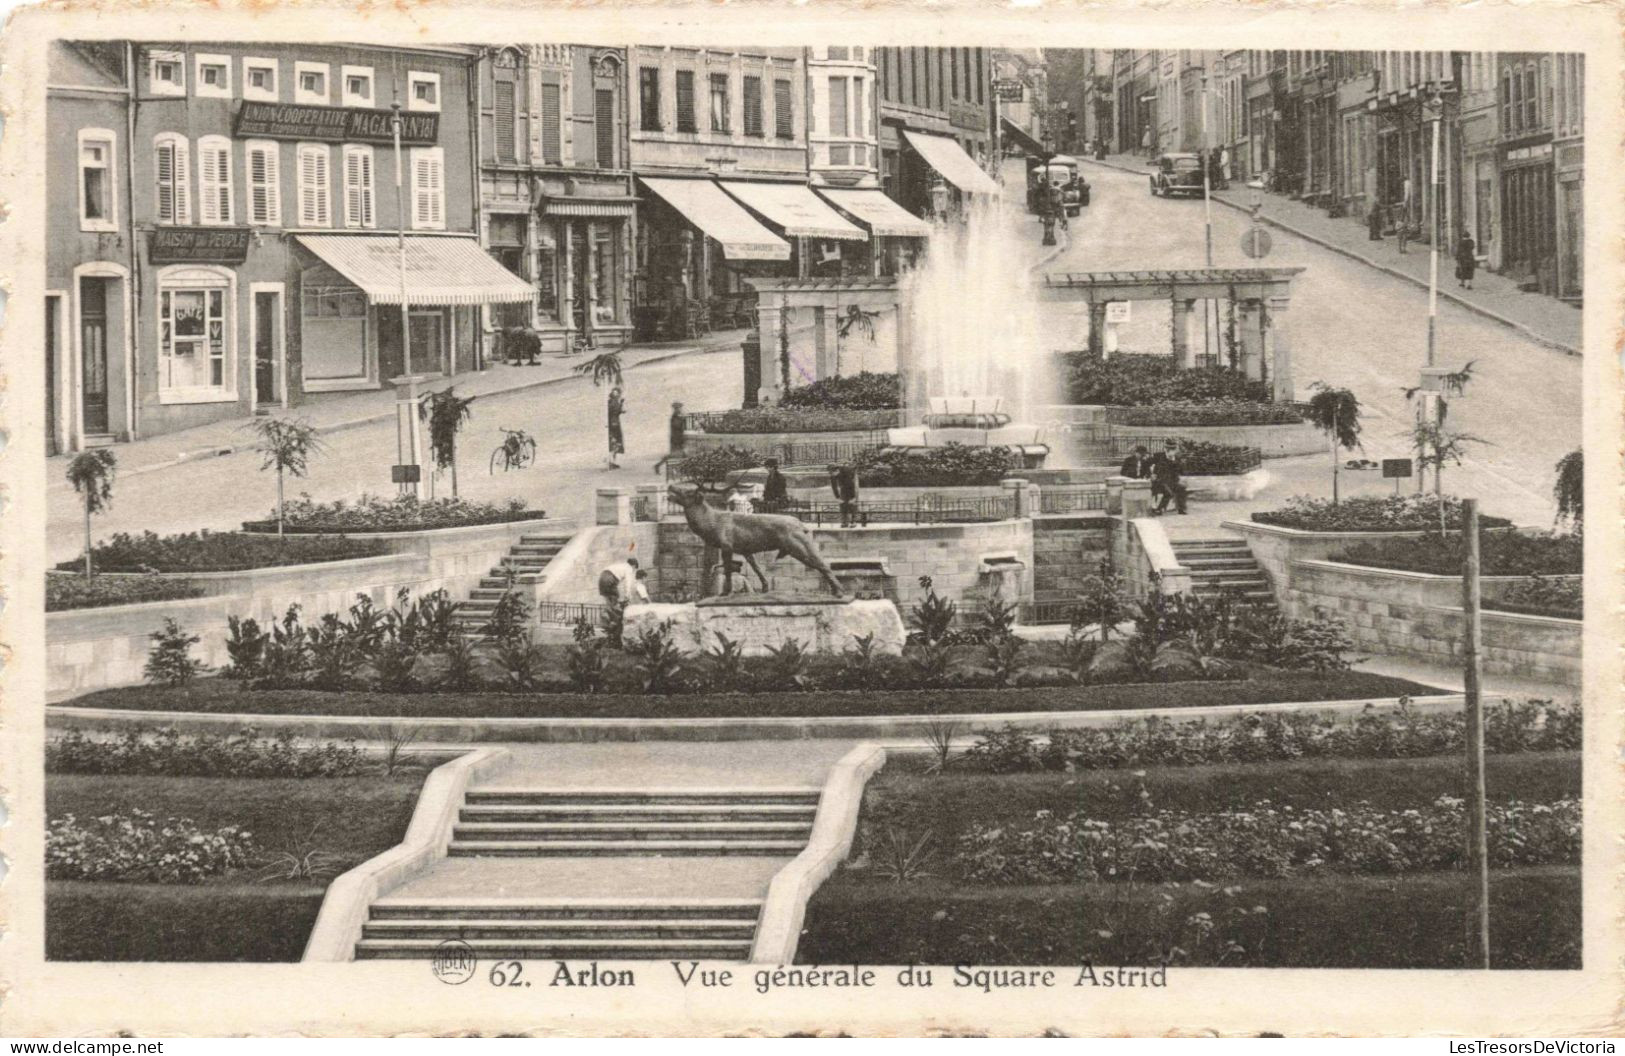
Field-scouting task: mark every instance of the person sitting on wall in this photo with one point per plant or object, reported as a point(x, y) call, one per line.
point(843, 481)
point(1137, 466)
point(1165, 482)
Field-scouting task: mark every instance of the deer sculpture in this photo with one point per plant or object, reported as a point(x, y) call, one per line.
point(749, 534)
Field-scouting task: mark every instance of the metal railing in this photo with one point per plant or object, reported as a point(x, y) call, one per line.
point(1049, 611)
point(1064, 498)
point(794, 453)
point(568, 612)
point(729, 421)
point(924, 510)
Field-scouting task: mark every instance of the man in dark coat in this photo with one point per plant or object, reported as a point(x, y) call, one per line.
point(843, 481)
point(1165, 483)
point(1137, 466)
point(776, 492)
point(1466, 260)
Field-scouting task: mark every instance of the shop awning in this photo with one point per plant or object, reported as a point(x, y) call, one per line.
point(884, 216)
point(796, 209)
point(610, 207)
point(705, 206)
point(438, 270)
point(951, 162)
point(1021, 136)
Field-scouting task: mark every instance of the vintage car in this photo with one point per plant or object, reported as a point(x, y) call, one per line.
point(1177, 174)
point(1061, 171)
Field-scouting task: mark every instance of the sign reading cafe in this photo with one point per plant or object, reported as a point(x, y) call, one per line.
point(333, 124)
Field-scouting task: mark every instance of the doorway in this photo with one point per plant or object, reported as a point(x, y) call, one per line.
point(93, 356)
point(267, 347)
point(428, 343)
point(53, 349)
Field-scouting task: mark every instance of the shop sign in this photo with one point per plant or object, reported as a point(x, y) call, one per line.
point(1009, 90)
point(333, 124)
point(966, 115)
point(199, 245)
point(1537, 152)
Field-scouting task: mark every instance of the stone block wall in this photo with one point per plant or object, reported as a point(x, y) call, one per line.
point(1068, 550)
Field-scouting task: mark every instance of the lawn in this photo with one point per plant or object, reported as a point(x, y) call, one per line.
point(249, 915)
point(1268, 687)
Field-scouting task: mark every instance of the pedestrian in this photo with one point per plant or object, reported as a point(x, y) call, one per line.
point(843, 481)
point(1057, 204)
point(1145, 141)
point(1137, 466)
point(1403, 228)
point(776, 492)
point(1224, 168)
point(1373, 223)
point(617, 440)
point(1466, 260)
point(1165, 482)
point(615, 581)
point(1214, 172)
point(640, 586)
point(739, 500)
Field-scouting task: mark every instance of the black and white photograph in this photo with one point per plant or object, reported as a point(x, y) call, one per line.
point(877, 523)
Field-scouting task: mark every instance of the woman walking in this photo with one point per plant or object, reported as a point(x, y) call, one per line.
point(617, 440)
point(1466, 260)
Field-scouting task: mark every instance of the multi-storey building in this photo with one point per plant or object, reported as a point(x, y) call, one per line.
point(1135, 78)
point(556, 189)
point(936, 126)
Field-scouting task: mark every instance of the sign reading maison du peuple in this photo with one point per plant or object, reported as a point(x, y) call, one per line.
point(333, 124)
point(199, 245)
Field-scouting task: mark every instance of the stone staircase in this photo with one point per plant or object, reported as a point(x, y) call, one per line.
point(523, 564)
point(530, 823)
point(508, 929)
point(1224, 566)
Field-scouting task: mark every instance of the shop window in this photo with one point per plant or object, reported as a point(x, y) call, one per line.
point(429, 189)
point(685, 101)
point(166, 73)
point(719, 103)
point(214, 181)
point(507, 247)
point(264, 185)
point(783, 110)
point(333, 332)
point(259, 80)
point(315, 186)
point(213, 76)
point(172, 164)
point(358, 187)
point(547, 273)
point(195, 335)
point(423, 91)
point(649, 99)
point(310, 83)
point(358, 86)
point(97, 207)
point(606, 270)
point(753, 107)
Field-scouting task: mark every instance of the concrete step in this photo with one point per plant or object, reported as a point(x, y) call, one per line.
point(586, 909)
point(563, 949)
point(640, 813)
point(547, 930)
point(494, 796)
point(621, 848)
point(556, 541)
point(476, 831)
point(1192, 562)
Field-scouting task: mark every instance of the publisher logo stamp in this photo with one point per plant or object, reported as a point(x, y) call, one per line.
point(453, 962)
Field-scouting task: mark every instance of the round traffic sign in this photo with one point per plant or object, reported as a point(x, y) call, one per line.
point(1256, 243)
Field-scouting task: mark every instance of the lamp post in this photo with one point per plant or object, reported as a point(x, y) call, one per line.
point(1207, 189)
point(1435, 110)
point(408, 432)
point(396, 121)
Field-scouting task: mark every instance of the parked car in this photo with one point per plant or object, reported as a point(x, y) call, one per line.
point(1177, 174)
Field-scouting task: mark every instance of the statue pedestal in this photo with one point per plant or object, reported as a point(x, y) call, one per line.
point(821, 624)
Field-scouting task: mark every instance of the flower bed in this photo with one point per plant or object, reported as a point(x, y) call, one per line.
point(304, 516)
point(164, 752)
point(809, 419)
point(1137, 381)
point(946, 466)
point(1500, 554)
point(65, 591)
point(1536, 596)
point(1369, 513)
point(219, 552)
point(137, 847)
point(1199, 458)
point(864, 391)
point(713, 464)
point(1217, 412)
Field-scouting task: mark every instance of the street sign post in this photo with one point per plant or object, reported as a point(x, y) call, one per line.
point(1255, 242)
point(1396, 469)
point(1118, 311)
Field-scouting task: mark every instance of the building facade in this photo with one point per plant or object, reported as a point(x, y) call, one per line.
point(936, 127)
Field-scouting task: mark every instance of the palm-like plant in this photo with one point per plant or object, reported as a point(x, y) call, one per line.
point(1437, 446)
point(605, 366)
point(1336, 412)
point(1570, 489)
point(445, 412)
point(91, 474)
point(285, 445)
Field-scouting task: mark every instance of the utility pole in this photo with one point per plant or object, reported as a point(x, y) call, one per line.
point(1436, 110)
point(1207, 167)
point(1478, 837)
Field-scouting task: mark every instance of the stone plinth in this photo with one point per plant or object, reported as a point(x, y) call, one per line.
point(823, 625)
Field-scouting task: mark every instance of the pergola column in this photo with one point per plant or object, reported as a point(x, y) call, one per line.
point(1252, 337)
point(1278, 341)
point(768, 311)
point(910, 384)
point(826, 340)
point(1097, 328)
point(1182, 333)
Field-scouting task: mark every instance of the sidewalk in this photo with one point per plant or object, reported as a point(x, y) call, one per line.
point(1547, 320)
point(335, 414)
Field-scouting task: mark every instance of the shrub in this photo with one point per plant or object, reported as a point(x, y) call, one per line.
point(787, 665)
point(221, 552)
point(1218, 412)
point(335, 653)
point(136, 847)
point(585, 658)
point(286, 656)
point(807, 419)
point(1133, 381)
point(170, 661)
point(1200, 458)
point(166, 752)
point(725, 663)
point(245, 644)
point(945, 466)
point(659, 658)
point(1370, 513)
point(1499, 553)
point(713, 464)
point(862, 668)
point(1538, 596)
point(932, 616)
point(508, 618)
point(1266, 841)
point(462, 672)
point(865, 391)
point(65, 591)
point(370, 513)
point(520, 660)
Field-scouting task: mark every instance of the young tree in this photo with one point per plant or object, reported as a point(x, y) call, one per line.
point(1336, 412)
point(91, 474)
point(1436, 446)
point(445, 412)
point(1570, 489)
point(285, 445)
point(606, 366)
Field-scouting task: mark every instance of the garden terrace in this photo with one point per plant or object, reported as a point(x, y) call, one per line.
point(369, 515)
point(218, 552)
point(1368, 513)
point(781, 419)
point(931, 509)
point(65, 591)
point(1500, 554)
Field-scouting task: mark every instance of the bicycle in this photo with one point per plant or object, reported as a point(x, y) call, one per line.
point(516, 451)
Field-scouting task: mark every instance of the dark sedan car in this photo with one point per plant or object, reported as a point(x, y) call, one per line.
point(1177, 174)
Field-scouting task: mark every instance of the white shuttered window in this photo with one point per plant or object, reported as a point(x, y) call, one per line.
point(264, 184)
point(358, 187)
point(214, 180)
point(429, 189)
point(173, 165)
point(315, 186)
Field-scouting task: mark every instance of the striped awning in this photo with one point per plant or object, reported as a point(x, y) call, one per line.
point(439, 271)
point(884, 216)
point(704, 205)
point(796, 209)
point(951, 162)
point(612, 207)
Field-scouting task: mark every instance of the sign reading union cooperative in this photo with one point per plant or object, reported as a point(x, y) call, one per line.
point(333, 124)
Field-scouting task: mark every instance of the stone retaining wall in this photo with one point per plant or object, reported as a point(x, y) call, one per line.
point(1067, 550)
point(1273, 441)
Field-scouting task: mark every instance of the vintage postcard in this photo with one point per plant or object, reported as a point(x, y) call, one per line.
point(639, 519)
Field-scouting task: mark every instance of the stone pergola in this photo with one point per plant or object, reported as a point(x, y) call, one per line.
point(1261, 297)
point(829, 300)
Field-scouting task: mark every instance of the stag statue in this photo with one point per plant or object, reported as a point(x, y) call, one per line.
point(749, 534)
